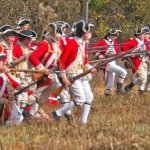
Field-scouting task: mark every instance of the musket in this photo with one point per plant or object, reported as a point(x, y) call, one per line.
point(102, 47)
point(137, 53)
point(35, 71)
point(126, 56)
point(100, 60)
point(87, 11)
point(130, 54)
point(25, 88)
point(29, 71)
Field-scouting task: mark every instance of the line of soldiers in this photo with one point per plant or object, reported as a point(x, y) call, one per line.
point(138, 64)
point(61, 57)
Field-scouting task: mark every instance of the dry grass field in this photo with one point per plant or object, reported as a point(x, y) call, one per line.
point(115, 123)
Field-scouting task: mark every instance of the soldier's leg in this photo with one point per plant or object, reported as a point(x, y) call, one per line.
point(148, 82)
point(16, 116)
point(142, 76)
point(79, 98)
point(122, 75)
point(64, 99)
point(109, 82)
point(89, 98)
point(143, 79)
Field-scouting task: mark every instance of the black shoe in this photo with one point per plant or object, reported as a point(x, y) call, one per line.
point(141, 91)
point(69, 118)
point(26, 114)
point(119, 89)
point(107, 94)
point(55, 117)
point(129, 87)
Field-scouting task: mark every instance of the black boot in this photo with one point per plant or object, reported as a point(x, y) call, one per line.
point(129, 87)
point(69, 118)
point(26, 114)
point(141, 91)
point(55, 117)
point(119, 89)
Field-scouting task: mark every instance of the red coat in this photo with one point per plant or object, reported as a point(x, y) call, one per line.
point(17, 51)
point(103, 50)
point(32, 44)
point(133, 43)
point(69, 54)
point(64, 41)
point(15, 83)
point(42, 55)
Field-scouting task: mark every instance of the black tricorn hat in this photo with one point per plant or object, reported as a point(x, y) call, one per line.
point(27, 34)
point(22, 21)
point(7, 30)
point(83, 26)
point(58, 26)
point(140, 31)
point(61, 25)
point(146, 29)
point(114, 32)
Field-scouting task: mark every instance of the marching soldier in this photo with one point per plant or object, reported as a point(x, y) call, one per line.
point(21, 49)
point(45, 58)
point(110, 46)
point(9, 82)
point(139, 62)
point(73, 61)
point(6, 46)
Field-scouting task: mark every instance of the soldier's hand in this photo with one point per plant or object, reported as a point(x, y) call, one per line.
point(66, 82)
point(93, 70)
point(6, 69)
point(46, 71)
point(101, 56)
point(3, 68)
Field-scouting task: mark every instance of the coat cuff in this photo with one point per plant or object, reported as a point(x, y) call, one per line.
point(88, 66)
point(40, 67)
point(62, 74)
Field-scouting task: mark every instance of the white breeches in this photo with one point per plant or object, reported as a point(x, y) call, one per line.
point(64, 96)
point(16, 116)
point(148, 77)
point(81, 91)
point(148, 82)
point(23, 98)
point(111, 70)
point(140, 77)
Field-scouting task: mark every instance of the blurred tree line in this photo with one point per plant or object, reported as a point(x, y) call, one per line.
point(126, 15)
